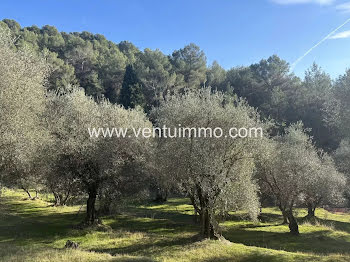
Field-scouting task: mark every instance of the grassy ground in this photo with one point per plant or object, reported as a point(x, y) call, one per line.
point(35, 231)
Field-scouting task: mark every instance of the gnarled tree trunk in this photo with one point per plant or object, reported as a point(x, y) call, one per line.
point(292, 223)
point(90, 206)
point(57, 199)
point(161, 195)
point(310, 210)
point(60, 199)
point(284, 214)
point(36, 194)
point(196, 210)
point(28, 193)
point(209, 226)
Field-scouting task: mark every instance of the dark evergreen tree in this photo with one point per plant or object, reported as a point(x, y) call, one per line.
point(131, 94)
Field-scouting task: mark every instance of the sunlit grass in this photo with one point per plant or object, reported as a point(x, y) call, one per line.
point(37, 231)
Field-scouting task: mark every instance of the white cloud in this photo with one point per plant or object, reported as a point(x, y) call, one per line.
point(344, 34)
point(290, 2)
point(345, 7)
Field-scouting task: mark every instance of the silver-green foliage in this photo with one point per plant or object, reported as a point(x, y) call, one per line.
point(216, 173)
point(22, 101)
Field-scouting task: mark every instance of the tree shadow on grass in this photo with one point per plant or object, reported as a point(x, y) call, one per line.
point(337, 225)
point(271, 218)
point(150, 246)
point(40, 230)
point(252, 257)
point(13, 253)
point(263, 218)
point(26, 224)
point(319, 242)
point(161, 211)
point(132, 259)
point(151, 225)
point(162, 233)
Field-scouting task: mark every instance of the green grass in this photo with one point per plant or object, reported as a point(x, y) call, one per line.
point(36, 231)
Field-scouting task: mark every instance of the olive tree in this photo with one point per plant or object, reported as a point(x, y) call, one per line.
point(215, 173)
point(342, 160)
point(293, 168)
point(60, 180)
point(325, 186)
point(22, 101)
point(337, 112)
point(94, 160)
point(284, 169)
point(29, 177)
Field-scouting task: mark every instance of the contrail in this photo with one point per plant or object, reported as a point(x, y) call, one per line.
point(320, 42)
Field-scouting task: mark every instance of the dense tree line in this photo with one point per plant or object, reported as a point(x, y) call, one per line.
point(125, 75)
point(54, 86)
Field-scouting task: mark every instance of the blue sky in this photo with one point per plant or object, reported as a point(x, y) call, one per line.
point(233, 32)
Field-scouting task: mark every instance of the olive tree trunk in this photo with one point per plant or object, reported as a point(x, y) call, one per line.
point(90, 205)
point(284, 214)
point(57, 199)
point(292, 223)
point(28, 193)
point(161, 196)
point(209, 226)
point(311, 210)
